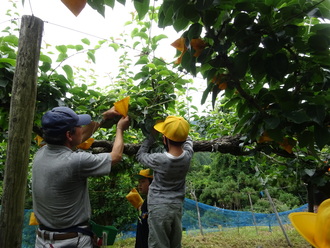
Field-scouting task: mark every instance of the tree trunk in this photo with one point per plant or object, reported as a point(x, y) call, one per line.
point(20, 130)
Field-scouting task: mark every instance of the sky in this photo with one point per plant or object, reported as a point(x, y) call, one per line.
point(62, 27)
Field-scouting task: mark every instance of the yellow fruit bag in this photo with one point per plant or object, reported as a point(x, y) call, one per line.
point(134, 198)
point(122, 106)
point(86, 145)
point(33, 220)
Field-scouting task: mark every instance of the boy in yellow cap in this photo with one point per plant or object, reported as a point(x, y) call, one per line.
point(167, 190)
point(142, 230)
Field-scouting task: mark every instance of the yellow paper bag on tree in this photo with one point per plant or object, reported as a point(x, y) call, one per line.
point(122, 106)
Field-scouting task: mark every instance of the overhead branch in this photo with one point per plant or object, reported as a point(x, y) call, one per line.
point(225, 144)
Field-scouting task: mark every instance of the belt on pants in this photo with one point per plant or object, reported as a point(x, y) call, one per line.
point(58, 236)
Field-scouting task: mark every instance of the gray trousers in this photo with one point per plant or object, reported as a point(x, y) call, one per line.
point(165, 227)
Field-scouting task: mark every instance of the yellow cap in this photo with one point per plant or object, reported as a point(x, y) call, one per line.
point(147, 173)
point(314, 227)
point(175, 128)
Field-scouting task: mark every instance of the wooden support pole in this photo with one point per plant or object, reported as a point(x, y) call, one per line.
point(21, 117)
point(274, 208)
point(252, 211)
point(277, 216)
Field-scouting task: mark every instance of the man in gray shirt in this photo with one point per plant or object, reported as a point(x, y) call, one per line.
point(167, 190)
point(59, 176)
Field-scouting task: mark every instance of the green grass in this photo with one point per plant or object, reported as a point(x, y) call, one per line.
point(247, 237)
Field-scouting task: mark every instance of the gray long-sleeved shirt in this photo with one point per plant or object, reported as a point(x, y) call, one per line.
point(168, 185)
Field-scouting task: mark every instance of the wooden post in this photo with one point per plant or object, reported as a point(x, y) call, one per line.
point(21, 117)
point(252, 211)
point(274, 208)
point(277, 216)
point(192, 192)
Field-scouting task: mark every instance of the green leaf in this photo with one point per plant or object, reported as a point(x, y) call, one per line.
point(98, 5)
point(142, 7)
point(12, 62)
point(142, 61)
point(69, 72)
point(310, 172)
point(298, 116)
point(151, 65)
point(232, 102)
point(188, 62)
point(319, 43)
point(277, 66)
point(246, 6)
point(86, 41)
point(206, 92)
point(240, 65)
point(136, 44)
point(79, 47)
point(180, 24)
point(257, 65)
point(194, 31)
point(215, 93)
point(11, 39)
point(322, 136)
point(91, 56)
point(159, 37)
point(204, 5)
point(45, 67)
point(164, 73)
point(165, 14)
point(190, 13)
point(271, 43)
point(305, 139)
point(140, 75)
point(241, 20)
point(115, 46)
point(61, 57)
point(272, 122)
point(62, 49)
point(243, 120)
point(45, 58)
point(110, 3)
point(123, 2)
point(317, 113)
point(210, 17)
point(143, 35)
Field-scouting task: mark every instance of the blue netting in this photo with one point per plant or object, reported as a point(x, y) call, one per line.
point(212, 219)
point(218, 218)
point(29, 232)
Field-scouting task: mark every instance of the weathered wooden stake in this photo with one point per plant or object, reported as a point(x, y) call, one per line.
point(21, 116)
